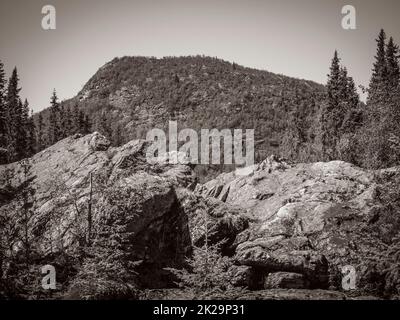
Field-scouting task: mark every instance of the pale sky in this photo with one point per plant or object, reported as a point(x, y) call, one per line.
point(292, 37)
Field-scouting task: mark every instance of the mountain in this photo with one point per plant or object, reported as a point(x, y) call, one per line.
point(131, 95)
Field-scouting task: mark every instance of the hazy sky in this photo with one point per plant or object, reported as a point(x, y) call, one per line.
point(292, 37)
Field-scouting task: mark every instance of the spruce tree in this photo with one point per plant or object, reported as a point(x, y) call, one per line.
point(40, 133)
point(331, 113)
point(350, 116)
point(14, 107)
point(54, 129)
point(81, 122)
point(22, 131)
point(108, 270)
point(4, 118)
point(377, 90)
point(382, 106)
point(340, 115)
point(392, 63)
point(334, 81)
point(31, 135)
point(352, 95)
point(392, 109)
point(67, 122)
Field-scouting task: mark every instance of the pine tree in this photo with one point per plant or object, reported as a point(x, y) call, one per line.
point(22, 131)
point(40, 134)
point(351, 116)
point(294, 137)
point(331, 113)
point(392, 63)
point(334, 81)
point(348, 147)
point(86, 124)
point(352, 95)
point(392, 109)
point(340, 115)
point(207, 269)
point(4, 118)
point(81, 121)
point(383, 107)
point(31, 135)
point(54, 129)
point(67, 122)
point(14, 107)
point(377, 91)
point(61, 121)
point(108, 271)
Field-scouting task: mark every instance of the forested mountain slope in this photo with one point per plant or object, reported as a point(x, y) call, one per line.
point(131, 95)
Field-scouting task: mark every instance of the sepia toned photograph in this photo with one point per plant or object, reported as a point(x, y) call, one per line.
point(199, 150)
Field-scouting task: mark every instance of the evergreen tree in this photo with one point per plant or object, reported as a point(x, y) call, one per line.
point(40, 134)
point(86, 124)
point(54, 129)
point(383, 107)
point(4, 118)
point(61, 121)
point(31, 136)
point(22, 131)
point(14, 107)
point(392, 63)
point(393, 99)
point(108, 272)
point(340, 115)
point(331, 117)
point(294, 138)
point(334, 82)
point(350, 112)
point(376, 91)
point(81, 121)
point(67, 122)
point(352, 95)
point(207, 269)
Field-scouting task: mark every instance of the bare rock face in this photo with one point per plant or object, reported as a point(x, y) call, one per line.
point(309, 219)
point(63, 179)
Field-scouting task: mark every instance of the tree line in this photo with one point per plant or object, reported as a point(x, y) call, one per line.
point(59, 122)
point(17, 130)
point(366, 134)
point(21, 133)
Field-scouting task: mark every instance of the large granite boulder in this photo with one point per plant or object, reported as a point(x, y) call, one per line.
point(78, 173)
point(312, 219)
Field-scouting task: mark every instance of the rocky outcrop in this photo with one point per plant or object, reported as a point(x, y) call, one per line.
point(80, 172)
point(308, 219)
point(284, 226)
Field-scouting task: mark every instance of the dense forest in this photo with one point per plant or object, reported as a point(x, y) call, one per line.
point(297, 119)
